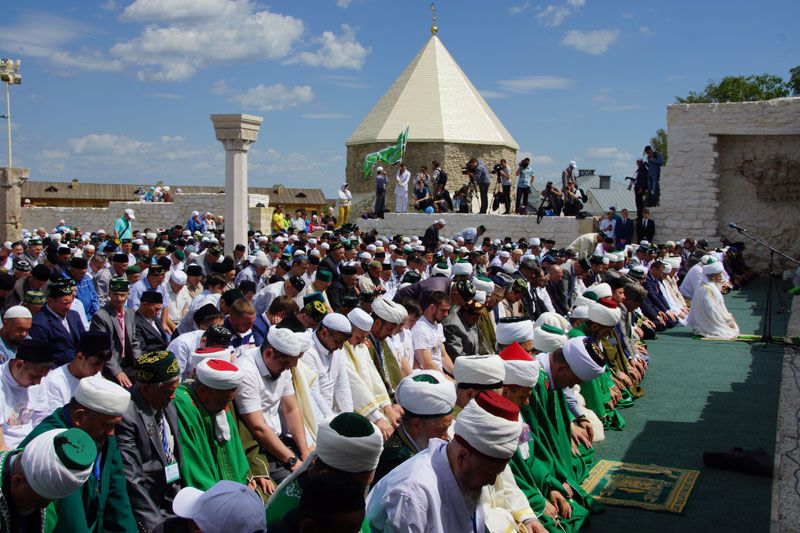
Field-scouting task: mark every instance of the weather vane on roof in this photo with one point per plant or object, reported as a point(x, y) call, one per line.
point(434, 29)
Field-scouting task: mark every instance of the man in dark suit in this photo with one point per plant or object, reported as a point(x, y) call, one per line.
point(57, 324)
point(148, 438)
point(655, 296)
point(149, 331)
point(533, 274)
point(431, 238)
point(645, 228)
point(623, 230)
point(332, 260)
point(117, 319)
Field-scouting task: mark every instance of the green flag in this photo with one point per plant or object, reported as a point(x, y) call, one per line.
point(389, 155)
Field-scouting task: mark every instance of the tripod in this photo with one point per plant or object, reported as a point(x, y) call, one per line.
point(766, 333)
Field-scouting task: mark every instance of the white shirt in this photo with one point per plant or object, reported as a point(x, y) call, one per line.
point(187, 322)
point(259, 392)
point(59, 384)
point(429, 336)
point(544, 296)
point(177, 302)
point(22, 408)
point(608, 226)
point(264, 297)
point(401, 183)
point(403, 347)
point(422, 495)
point(183, 346)
point(334, 386)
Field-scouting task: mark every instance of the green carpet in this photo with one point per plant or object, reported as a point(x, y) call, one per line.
point(704, 395)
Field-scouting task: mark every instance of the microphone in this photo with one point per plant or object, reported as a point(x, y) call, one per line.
point(737, 228)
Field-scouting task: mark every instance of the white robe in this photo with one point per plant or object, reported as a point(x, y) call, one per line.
point(708, 315)
point(366, 386)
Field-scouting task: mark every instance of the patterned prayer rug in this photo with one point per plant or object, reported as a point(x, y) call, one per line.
point(650, 487)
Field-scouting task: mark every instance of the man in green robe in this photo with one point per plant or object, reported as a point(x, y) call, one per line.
point(427, 399)
point(211, 449)
point(49, 468)
point(348, 444)
point(102, 504)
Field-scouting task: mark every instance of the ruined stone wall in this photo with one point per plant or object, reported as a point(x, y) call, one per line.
point(735, 162)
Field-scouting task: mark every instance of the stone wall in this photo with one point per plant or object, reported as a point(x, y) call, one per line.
point(735, 162)
point(148, 214)
point(452, 156)
point(563, 230)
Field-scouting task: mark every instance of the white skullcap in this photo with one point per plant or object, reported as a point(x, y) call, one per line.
point(552, 319)
point(426, 393)
point(606, 260)
point(179, 277)
point(486, 426)
point(437, 270)
point(448, 248)
point(151, 236)
point(219, 374)
point(521, 368)
point(406, 240)
point(602, 290)
point(360, 319)
point(102, 396)
point(480, 297)
point(580, 312)
point(325, 246)
point(547, 338)
point(509, 268)
point(462, 269)
point(17, 311)
point(389, 311)
point(89, 247)
point(711, 269)
point(366, 256)
point(46, 473)
point(519, 331)
point(55, 237)
point(505, 254)
point(486, 370)
point(441, 221)
point(536, 241)
point(486, 286)
point(605, 316)
point(337, 322)
point(285, 341)
point(346, 443)
point(579, 360)
point(573, 164)
point(400, 263)
point(640, 269)
point(464, 250)
point(667, 267)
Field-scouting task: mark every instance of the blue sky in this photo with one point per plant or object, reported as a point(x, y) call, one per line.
point(121, 90)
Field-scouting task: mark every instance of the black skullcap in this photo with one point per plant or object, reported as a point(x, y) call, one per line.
point(96, 343)
point(6, 282)
point(79, 263)
point(120, 258)
point(58, 288)
point(218, 335)
point(298, 282)
point(194, 270)
point(283, 264)
point(157, 367)
point(347, 270)
point(411, 276)
point(35, 351)
point(247, 286)
point(331, 493)
point(41, 272)
point(165, 263)
point(152, 297)
point(231, 296)
point(156, 270)
point(205, 312)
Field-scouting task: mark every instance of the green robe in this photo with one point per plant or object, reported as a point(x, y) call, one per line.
point(92, 508)
point(387, 365)
point(397, 450)
point(535, 479)
point(204, 460)
point(9, 522)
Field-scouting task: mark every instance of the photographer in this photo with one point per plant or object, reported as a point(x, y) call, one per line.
point(551, 202)
point(477, 171)
point(503, 172)
point(525, 179)
point(573, 202)
point(654, 162)
point(422, 196)
point(640, 187)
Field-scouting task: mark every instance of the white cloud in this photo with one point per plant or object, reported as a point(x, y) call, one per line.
point(274, 97)
point(553, 15)
point(107, 144)
point(89, 60)
point(519, 9)
point(646, 31)
point(220, 87)
point(527, 84)
point(344, 4)
point(110, 5)
point(167, 10)
point(38, 34)
point(576, 3)
point(489, 95)
point(324, 116)
point(602, 95)
point(335, 51)
point(607, 153)
point(592, 42)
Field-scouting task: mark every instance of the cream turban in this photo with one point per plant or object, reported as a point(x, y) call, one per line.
point(102, 396)
point(579, 360)
point(389, 311)
point(349, 442)
point(360, 319)
point(489, 425)
point(219, 374)
point(547, 338)
point(711, 269)
point(285, 341)
point(58, 461)
point(480, 297)
point(552, 319)
point(521, 368)
point(438, 270)
point(580, 311)
point(462, 269)
point(519, 331)
point(484, 285)
point(605, 316)
point(485, 371)
point(426, 393)
point(602, 290)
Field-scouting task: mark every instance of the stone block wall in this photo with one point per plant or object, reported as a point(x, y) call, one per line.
point(563, 230)
point(719, 156)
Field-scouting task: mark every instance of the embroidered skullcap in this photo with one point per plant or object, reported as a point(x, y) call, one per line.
point(521, 368)
point(478, 371)
point(157, 367)
point(102, 396)
point(285, 341)
point(490, 426)
point(580, 361)
point(58, 461)
point(349, 442)
point(360, 319)
point(219, 374)
point(511, 330)
point(426, 393)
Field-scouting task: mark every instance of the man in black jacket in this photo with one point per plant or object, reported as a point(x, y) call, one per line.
point(431, 238)
point(151, 335)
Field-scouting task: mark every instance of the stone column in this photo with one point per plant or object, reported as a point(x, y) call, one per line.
point(11, 180)
point(236, 133)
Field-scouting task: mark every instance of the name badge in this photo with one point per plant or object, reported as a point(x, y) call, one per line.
point(172, 472)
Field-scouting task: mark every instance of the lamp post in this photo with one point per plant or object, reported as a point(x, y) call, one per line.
point(9, 74)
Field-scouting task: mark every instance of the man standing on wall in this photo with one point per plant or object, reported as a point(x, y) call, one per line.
point(477, 170)
point(401, 189)
point(654, 162)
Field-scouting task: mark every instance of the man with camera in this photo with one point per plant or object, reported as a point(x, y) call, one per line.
point(654, 162)
point(477, 171)
point(525, 178)
point(503, 173)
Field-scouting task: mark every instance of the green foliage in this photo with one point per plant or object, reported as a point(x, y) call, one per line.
point(740, 89)
point(659, 143)
point(794, 80)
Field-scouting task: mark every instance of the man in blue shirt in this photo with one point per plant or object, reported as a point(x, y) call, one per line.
point(87, 293)
point(476, 169)
point(654, 162)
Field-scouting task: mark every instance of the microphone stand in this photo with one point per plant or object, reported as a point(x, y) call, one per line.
point(766, 333)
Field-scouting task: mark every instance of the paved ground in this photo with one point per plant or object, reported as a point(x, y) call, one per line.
point(704, 395)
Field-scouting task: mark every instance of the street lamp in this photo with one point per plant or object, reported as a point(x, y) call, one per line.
point(9, 73)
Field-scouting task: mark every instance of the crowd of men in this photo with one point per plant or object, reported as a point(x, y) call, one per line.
point(334, 382)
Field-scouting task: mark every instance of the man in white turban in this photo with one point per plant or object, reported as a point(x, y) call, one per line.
point(441, 486)
point(515, 329)
point(708, 315)
point(388, 318)
point(50, 467)
point(102, 504)
point(427, 398)
point(349, 444)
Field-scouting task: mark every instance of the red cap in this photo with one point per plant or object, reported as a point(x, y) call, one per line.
point(497, 405)
point(221, 365)
point(608, 302)
point(515, 352)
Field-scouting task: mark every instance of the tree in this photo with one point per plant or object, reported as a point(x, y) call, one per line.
point(659, 143)
point(794, 80)
point(740, 89)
